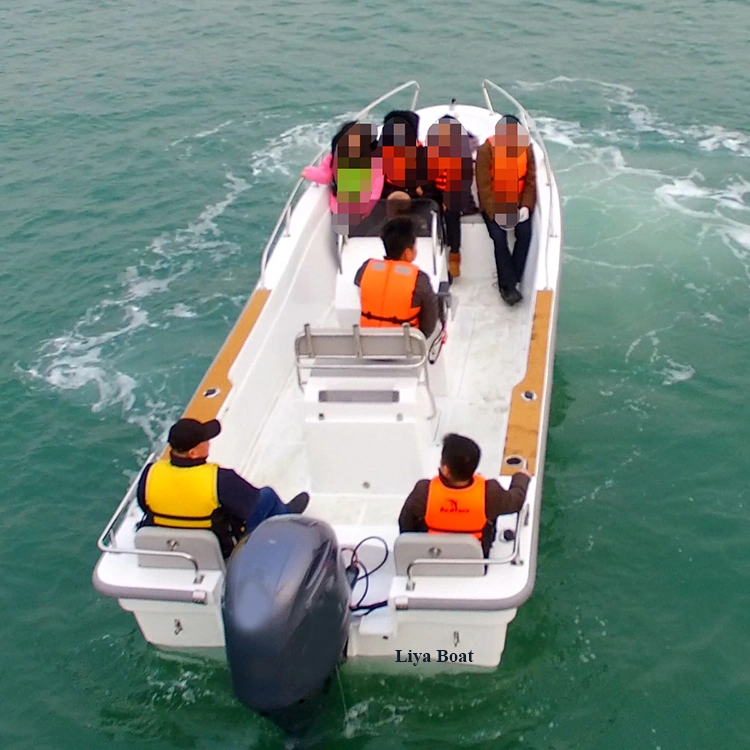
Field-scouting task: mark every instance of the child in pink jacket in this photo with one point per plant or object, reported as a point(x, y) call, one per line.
point(359, 143)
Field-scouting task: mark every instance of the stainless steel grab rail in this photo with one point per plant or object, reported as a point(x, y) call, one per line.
point(513, 559)
point(286, 213)
point(530, 125)
point(406, 360)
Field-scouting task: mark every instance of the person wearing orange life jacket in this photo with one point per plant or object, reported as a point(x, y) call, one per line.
point(460, 501)
point(506, 185)
point(393, 291)
point(186, 491)
point(403, 155)
point(450, 167)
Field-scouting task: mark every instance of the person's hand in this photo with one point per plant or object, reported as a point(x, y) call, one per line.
point(523, 214)
point(524, 472)
point(419, 191)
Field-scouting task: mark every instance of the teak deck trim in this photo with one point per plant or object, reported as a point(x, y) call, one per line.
point(204, 407)
point(524, 420)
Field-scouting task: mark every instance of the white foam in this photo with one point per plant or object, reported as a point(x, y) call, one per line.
point(643, 119)
point(212, 131)
point(713, 137)
point(154, 419)
point(181, 310)
point(294, 146)
point(70, 372)
point(672, 195)
point(201, 134)
point(676, 372)
point(139, 288)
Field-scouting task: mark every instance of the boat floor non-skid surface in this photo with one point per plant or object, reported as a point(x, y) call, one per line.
point(484, 358)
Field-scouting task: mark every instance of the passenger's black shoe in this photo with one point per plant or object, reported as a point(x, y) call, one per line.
point(298, 503)
point(511, 296)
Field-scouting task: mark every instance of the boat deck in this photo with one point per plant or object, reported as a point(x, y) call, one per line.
point(484, 358)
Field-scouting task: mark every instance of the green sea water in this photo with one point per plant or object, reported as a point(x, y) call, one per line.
point(147, 150)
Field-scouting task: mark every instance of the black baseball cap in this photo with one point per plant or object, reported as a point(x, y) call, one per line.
point(186, 434)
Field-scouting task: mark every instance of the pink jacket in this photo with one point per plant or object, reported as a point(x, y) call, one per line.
point(323, 175)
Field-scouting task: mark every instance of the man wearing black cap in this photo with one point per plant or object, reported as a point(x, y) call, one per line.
point(186, 491)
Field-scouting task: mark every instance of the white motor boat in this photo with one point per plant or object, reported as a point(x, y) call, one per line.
point(309, 401)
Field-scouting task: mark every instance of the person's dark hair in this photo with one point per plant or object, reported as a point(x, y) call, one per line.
point(398, 234)
point(344, 129)
point(340, 134)
point(461, 455)
point(406, 117)
point(403, 115)
point(507, 119)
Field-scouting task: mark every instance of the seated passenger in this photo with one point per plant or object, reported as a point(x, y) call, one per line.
point(186, 491)
point(355, 177)
point(419, 211)
point(459, 501)
point(398, 204)
point(404, 157)
point(393, 291)
point(506, 182)
point(450, 168)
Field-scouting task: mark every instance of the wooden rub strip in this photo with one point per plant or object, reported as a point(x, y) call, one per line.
point(215, 386)
point(524, 420)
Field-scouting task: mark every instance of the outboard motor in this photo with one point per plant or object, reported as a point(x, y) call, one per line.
point(286, 617)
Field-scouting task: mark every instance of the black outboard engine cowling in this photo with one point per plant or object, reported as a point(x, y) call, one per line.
point(286, 614)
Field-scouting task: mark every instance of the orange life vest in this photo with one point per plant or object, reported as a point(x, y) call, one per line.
point(399, 170)
point(386, 290)
point(508, 169)
point(452, 510)
point(445, 171)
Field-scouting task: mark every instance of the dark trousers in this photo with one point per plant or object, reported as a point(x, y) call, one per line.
point(509, 267)
point(452, 221)
point(269, 504)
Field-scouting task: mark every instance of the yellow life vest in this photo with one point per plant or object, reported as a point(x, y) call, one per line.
point(182, 496)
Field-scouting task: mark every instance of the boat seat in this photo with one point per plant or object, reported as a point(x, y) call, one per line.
point(420, 546)
point(202, 544)
point(367, 408)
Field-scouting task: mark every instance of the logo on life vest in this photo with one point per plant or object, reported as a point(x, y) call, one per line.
point(452, 507)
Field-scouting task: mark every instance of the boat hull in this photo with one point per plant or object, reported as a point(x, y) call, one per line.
point(455, 640)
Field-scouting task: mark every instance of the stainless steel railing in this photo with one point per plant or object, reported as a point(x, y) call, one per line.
point(286, 213)
point(337, 355)
point(513, 559)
